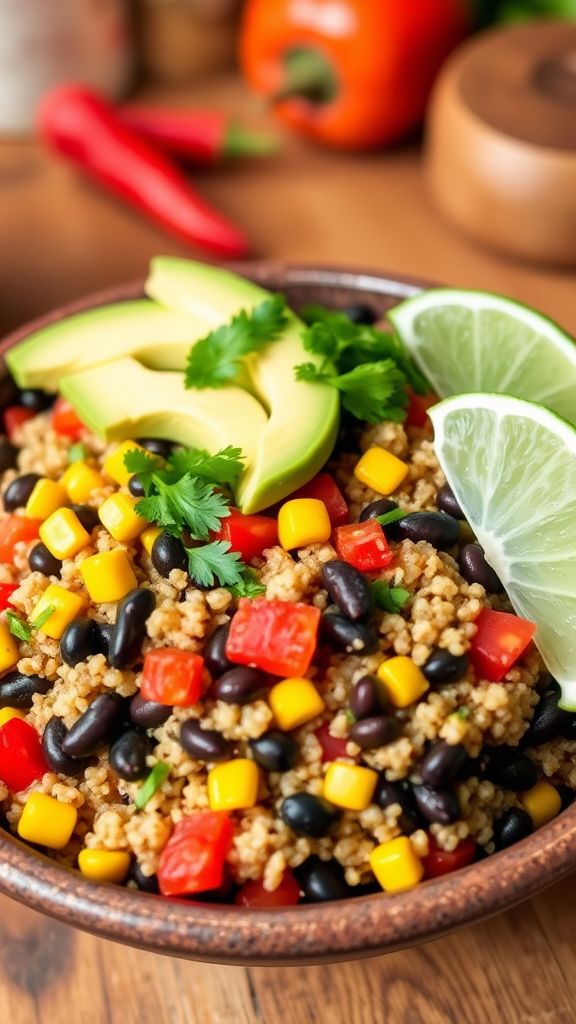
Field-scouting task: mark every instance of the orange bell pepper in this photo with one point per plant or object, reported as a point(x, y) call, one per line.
point(354, 74)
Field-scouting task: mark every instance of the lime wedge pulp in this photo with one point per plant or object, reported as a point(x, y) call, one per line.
point(512, 467)
point(473, 341)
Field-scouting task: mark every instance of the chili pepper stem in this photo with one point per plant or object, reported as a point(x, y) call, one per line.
point(240, 142)
point(307, 75)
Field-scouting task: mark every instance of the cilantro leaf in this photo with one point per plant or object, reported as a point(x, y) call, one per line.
point(45, 614)
point(77, 452)
point(158, 774)
point(18, 627)
point(189, 504)
point(213, 562)
point(372, 392)
point(390, 599)
point(144, 464)
point(222, 468)
point(393, 516)
point(213, 361)
point(248, 586)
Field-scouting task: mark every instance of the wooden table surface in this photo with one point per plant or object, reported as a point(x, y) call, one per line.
point(59, 239)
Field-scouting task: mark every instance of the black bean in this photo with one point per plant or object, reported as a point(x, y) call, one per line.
point(344, 635)
point(348, 588)
point(475, 569)
point(438, 528)
point(388, 793)
point(238, 686)
point(308, 815)
point(440, 805)
point(8, 454)
point(506, 767)
point(442, 764)
point(87, 515)
point(168, 553)
point(360, 313)
point(275, 751)
point(569, 730)
point(52, 739)
point(377, 508)
point(204, 744)
point(17, 493)
point(147, 713)
point(511, 827)
point(17, 690)
point(9, 393)
point(42, 560)
point(446, 501)
point(104, 632)
point(79, 641)
point(35, 400)
point(369, 887)
point(136, 487)
point(146, 883)
point(548, 721)
point(370, 733)
point(566, 794)
point(130, 628)
point(443, 668)
point(364, 701)
point(157, 445)
point(128, 755)
point(322, 880)
point(97, 727)
point(215, 651)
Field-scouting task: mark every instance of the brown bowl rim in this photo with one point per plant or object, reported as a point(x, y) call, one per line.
point(314, 933)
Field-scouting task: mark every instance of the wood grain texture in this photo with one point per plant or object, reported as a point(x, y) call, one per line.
point(60, 238)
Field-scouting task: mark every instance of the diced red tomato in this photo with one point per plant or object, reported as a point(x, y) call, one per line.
point(499, 641)
point(193, 858)
point(172, 676)
point(275, 636)
point(65, 420)
point(14, 529)
point(21, 757)
point(6, 591)
point(324, 488)
point(332, 746)
point(442, 862)
point(364, 546)
point(249, 535)
point(418, 405)
point(14, 417)
point(253, 894)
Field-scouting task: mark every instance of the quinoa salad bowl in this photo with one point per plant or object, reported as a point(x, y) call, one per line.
point(303, 724)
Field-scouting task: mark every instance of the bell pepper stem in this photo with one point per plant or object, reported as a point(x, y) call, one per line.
point(307, 75)
point(242, 142)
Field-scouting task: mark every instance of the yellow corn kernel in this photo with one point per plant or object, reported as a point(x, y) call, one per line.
point(349, 785)
point(104, 865)
point(233, 785)
point(294, 702)
point(380, 470)
point(114, 465)
point(67, 606)
point(148, 536)
point(46, 498)
point(118, 516)
point(543, 802)
point(109, 576)
point(63, 534)
point(303, 521)
point(396, 865)
point(7, 714)
point(80, 480)
point(402, 681)
point(9, 653)
point(47, 821)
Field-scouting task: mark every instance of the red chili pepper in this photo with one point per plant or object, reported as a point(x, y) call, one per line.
point(418, 405)
point(332, 746)
point(193, 858)
point(249, 535)
point(276, 636)
point(81, 126)
point(442, 862)
point(14, 417)
point(325, 489)
point(65, 420)
point(172, 676)
point(6, 591)
point(21, 757)
point(499, 641)
point(207, 137)
point(364, 546)
point(253, 894)
point(14, 529)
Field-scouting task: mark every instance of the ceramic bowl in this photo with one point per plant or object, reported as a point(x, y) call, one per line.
point(294, 935)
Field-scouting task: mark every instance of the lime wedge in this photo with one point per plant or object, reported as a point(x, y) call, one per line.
point(512, 467)
point(472, 341)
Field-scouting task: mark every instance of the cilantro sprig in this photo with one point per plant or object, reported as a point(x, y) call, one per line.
point(22, 629)
point(390, 599)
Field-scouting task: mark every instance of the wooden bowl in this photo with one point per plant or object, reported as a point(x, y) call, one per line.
point(313, 933)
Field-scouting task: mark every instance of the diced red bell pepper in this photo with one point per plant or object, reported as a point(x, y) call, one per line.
point(442, 862)
point(364, 546)
point(418, 405)
point(276, 636)
point(325, 489)
point(172, 676)
point(499, 641)
point(65, 420)
point(332, 746)
point(193, 858)
point(249, 535)
point(253, 894)
point(21, 757)
point(14, 529)
point(6, 591)
point(14, 417)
